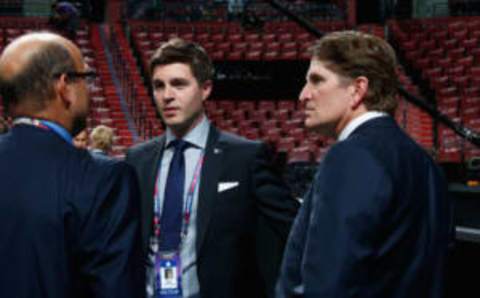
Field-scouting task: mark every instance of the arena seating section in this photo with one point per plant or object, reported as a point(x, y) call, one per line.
point(105, 108)
point(444, 54)
point(440, 63)
point(277, 121)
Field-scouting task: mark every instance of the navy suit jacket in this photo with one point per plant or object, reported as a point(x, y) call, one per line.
point(375, 223)
point(241, 232)
point(68, 222)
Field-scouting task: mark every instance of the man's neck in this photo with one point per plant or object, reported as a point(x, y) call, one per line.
point(45, 114)
point(357, 121)
point(181, 132)
point(345, 121)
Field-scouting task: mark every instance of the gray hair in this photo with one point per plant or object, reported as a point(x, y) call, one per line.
point(34, 82)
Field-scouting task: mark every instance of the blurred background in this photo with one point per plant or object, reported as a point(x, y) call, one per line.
point(260, 54)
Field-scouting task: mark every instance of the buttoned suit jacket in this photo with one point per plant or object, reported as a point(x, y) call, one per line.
point(241, 232)
point(376, 223)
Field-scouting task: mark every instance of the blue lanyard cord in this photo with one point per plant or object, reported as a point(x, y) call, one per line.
point(47, 125)
point(187, 210)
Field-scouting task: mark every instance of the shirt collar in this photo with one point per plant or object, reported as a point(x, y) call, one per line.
point(356, 122)
point(197, 136)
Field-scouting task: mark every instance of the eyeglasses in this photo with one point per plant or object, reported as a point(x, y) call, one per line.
point(88, 76)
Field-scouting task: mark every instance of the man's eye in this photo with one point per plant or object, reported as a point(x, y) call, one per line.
point(316, 81)
point(158, 86)
point(179, 85)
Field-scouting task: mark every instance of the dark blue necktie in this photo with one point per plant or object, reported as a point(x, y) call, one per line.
point(171, 219)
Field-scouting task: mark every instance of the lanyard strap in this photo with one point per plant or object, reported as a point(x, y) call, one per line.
point(47, 125)
point(187, 210)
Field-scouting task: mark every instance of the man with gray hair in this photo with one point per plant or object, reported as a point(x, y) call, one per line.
point(69, 222)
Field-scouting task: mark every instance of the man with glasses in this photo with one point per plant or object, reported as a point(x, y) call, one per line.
point(68, 221)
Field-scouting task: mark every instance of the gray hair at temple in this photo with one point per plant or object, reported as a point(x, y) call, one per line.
point(35, 81)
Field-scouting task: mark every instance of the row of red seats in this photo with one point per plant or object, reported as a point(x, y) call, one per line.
point(229, 41)
point(447, 54)
point(250, 105)
point(252, 46)
point(229, 27)
point(279, 122)
point(136, 93)
point(417, 123)
point(104, 102)
point(109, 98)
point(249, 37)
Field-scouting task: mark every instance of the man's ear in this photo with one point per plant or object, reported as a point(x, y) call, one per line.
point(206, 89)
point(359, 91)
point(62, 89)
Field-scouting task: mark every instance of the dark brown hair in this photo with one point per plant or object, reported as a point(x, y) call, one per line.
point(177, 50)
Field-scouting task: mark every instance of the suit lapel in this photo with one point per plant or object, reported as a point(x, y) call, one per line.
point(149, 174)
point(208, 185)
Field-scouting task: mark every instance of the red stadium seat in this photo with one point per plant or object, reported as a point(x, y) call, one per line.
point(285, 144)
point(256, 46)
point(246, 105)
point(270, 55)
point(300, 154)
point(281, 114)
point(289, 55)
point(287, 104)
point(235, 55)
point(253, 55)
point(271, 135)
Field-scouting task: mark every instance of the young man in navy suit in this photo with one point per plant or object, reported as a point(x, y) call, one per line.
point(222, 234)
point(69, 223)
point(376, 221)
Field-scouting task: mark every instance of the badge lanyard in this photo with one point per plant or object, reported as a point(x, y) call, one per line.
point(187, 210)
point(168, 268)
point(46, 125)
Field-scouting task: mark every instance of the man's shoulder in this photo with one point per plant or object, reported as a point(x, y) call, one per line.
point(144, 146)
point(348, 149)
point(383, 143)
point(232, 139)
point(95, 163)
point(384, 137)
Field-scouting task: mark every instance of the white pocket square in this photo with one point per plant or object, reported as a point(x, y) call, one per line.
point(223, 186)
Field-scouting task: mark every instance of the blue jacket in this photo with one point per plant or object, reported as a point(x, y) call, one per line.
point(69, 223)
point(376, 222)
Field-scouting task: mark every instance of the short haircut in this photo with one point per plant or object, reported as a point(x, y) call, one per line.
point(352, 54)
point(101, 138)
point(177, 50)
point(35, 81)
